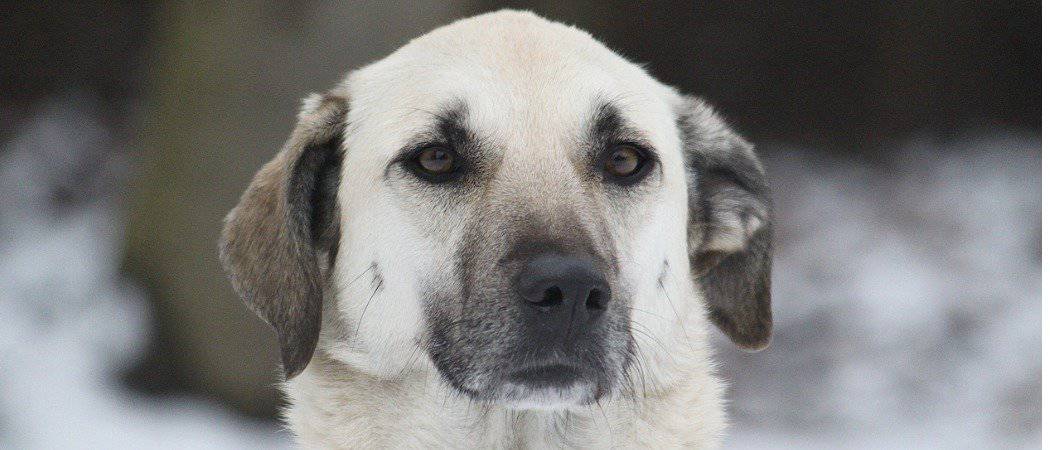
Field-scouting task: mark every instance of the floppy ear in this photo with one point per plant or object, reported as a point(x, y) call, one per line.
point(279, 239)
point(730, 225)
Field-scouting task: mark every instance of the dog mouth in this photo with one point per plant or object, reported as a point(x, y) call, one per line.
point(550, 383)
point(546, 376)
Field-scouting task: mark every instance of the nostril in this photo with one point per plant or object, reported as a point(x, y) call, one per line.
point(552, 296)
point(596, 300)
point(561, 285)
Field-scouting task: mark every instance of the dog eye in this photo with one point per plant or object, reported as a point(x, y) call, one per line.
point(436, 164)
point(436, 160)
point(626, 163)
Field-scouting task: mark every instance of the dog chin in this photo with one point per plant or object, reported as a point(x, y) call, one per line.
point(554, 398)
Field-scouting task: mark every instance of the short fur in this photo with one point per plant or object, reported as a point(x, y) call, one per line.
point(392, 296)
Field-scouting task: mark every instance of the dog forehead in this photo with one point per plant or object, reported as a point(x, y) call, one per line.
point(521, 78)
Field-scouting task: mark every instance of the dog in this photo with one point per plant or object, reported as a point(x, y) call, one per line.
point(505, 235)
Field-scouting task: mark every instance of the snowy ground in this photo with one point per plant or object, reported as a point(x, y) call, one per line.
point(906, 303)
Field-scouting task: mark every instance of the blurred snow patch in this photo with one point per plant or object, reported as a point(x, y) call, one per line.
point(71, 322)
point(906, 302)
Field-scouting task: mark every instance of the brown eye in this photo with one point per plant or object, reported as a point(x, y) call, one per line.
point(436, 160)
point(435, 163)
point(624, 161)
point(627, 164)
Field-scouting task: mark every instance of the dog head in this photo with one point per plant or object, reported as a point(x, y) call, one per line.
point(515, 202)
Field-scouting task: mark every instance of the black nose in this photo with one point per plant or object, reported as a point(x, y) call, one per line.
point(564, 293)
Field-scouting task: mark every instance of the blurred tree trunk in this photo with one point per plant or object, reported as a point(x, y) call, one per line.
point(221, 97)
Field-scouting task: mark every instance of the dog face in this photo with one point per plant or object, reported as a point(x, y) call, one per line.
point(503, 196)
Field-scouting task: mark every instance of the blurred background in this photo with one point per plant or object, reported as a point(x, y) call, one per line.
point(903, 142)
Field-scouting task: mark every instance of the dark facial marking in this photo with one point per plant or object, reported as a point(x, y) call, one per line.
point(620, 154)
point(482, 334)
point(447, 152)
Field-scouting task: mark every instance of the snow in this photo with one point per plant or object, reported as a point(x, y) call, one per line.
point(906, 302)
point(72, 323)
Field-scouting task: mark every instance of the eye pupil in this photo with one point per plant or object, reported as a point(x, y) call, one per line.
point(436, 160)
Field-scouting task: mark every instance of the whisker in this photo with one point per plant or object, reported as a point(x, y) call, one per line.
point(608, 425)
point(649, 312)
point(365, 309)
point(417, 352)
point(670, 303)
point(646, 332)
point(367, 269)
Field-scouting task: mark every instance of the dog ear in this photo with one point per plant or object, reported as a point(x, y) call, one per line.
point(278, 240)
point(730, 225)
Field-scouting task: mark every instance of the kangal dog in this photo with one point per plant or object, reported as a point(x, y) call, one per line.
point(505, 235)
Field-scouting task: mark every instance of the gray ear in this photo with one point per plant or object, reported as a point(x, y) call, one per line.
point(278, 240)
point(730, 225)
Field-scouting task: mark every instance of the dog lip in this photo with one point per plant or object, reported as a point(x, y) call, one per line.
point(546, 375)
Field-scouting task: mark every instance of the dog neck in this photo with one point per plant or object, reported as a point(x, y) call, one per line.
point(333, 405)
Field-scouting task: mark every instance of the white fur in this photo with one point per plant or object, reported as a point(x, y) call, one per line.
point(371, 386)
